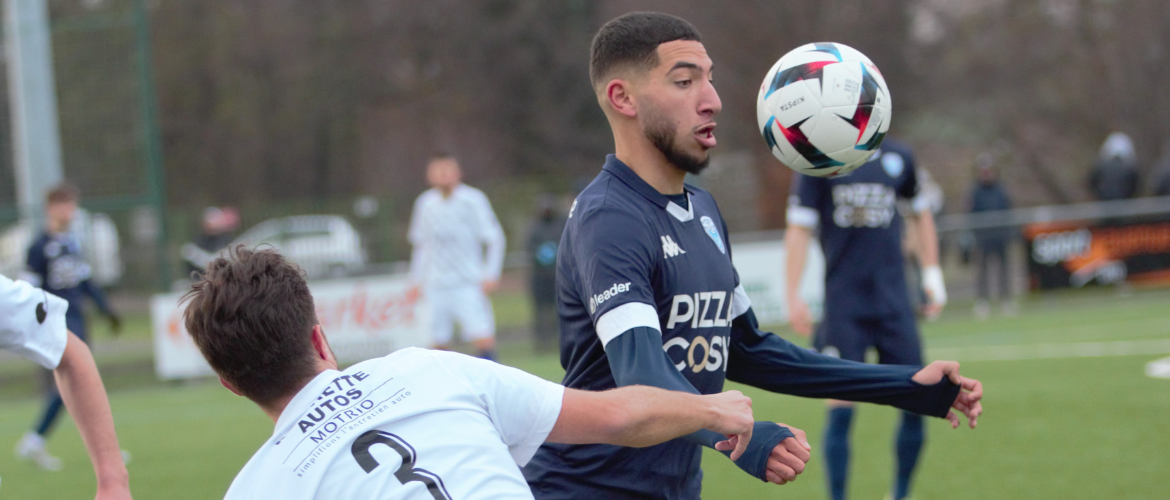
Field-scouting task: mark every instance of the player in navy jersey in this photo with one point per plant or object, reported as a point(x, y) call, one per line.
point(56, 264)
point(647, 293)
point(866, 299)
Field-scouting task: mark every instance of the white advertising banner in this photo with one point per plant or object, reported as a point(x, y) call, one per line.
point(761, 272)
point(363, 318)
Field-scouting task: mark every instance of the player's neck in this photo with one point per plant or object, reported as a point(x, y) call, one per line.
point(648, 162)
point(447, 191)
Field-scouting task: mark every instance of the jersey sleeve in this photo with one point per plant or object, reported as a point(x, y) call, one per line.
point(615, 256)
point(805, 200)
point(910, 188)
point(522, 407)
point(492, 237)
point(25, 329)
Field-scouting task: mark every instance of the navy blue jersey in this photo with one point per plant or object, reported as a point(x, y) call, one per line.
point(861, 231)
point(647, 294)
point(57, 262)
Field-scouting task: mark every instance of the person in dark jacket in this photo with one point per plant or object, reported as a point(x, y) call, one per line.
point(55, 263)
point(544, 237)
point(992, 243)
point(1115, 175)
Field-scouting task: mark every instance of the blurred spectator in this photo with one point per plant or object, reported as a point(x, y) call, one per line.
point(544, 237)
point(1162, 172)
point(991, 243)
point(216, 231)
point(1115, 176)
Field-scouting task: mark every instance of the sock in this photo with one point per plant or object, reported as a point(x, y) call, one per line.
point(488, 354)
point(837, 450)
point(49, 417)
point(908, 445)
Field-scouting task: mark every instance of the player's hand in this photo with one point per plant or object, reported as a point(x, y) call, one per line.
point(490, 286)
point(799, 318)
point(733, 418)
point(788, 457)
point(970, 392)
point(936, 292)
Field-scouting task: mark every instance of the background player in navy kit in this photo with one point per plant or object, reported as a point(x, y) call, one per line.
point(55, 263)
point(648, 295)
point(866, 300)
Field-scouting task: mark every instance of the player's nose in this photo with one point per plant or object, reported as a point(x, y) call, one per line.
point(709, 103)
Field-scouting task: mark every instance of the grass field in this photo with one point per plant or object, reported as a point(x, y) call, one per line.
point(1070, 414)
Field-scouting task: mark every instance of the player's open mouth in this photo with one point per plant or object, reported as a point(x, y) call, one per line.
point(706, 135)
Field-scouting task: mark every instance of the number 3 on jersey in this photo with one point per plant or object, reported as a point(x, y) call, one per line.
point(406, 472)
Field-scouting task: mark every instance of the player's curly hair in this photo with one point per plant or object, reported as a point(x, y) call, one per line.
point(252, 317)
point(633, 40)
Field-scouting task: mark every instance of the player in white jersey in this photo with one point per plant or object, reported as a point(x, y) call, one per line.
point(32, 324)
point(416, 424)
point(458, 253)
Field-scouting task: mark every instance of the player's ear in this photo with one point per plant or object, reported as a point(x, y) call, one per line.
point(619, 96)
point(229, 386)
point(321, 346)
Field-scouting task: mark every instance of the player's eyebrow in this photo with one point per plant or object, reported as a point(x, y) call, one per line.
point(688, 65)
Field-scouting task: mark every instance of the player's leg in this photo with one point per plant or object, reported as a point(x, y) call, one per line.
point(478, 321)
point(900, 344)
point(442, 305)
point(846, 339)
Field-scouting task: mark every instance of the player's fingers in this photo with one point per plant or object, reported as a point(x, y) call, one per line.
point(954, 419)
point(975, 387)
point(951, 369)
point(725, 445)
point(781, 469)
point(774, 478)
point(797, 450)
point(790, 458)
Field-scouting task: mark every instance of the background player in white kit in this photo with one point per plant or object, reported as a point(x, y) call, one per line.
point(32, 324)
point(416, 423)
point(458, 253)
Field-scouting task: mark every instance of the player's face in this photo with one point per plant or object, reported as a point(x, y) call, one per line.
point(444, 173)
point(679, 104)
point(61, 214)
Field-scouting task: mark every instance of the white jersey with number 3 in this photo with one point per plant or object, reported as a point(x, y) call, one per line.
point(416, 424)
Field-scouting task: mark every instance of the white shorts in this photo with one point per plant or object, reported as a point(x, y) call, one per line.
point(466, 305)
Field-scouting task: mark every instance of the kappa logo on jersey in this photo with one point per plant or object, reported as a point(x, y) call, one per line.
point(863, 205)
point(698, 311)
point(612, 292)
point(712, 357)
point(893, 164)
point(713, 232)
point(670, 248)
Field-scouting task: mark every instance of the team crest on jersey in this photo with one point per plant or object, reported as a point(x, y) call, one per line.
point(893, 164)
point(713, 232)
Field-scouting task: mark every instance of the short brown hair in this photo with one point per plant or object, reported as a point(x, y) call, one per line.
point(63, 193)
point(633, 40)
point(251, 315)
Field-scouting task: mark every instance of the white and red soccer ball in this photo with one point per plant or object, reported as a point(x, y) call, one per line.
point(823, 109)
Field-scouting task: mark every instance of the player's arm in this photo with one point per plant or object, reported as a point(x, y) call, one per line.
point(802, 217)
point(85, 397)
point(765, 360)
point(640, 416)
point(776, 452)
point(494, 242)
point(419, 254)
point(927, 244)
point(99, 298)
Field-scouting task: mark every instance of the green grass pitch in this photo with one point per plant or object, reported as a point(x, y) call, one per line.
point(1065, 427)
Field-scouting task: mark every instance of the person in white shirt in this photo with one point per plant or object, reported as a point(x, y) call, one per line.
point(416, 424)
point(32, 324)
point(457, 256)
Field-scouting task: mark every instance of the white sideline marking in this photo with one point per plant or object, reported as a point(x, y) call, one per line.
point(1159, 368)
point(1055, 351)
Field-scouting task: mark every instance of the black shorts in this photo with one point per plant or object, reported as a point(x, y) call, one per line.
point(895, 338)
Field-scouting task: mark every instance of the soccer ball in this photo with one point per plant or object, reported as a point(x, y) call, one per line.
point(823, 109)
